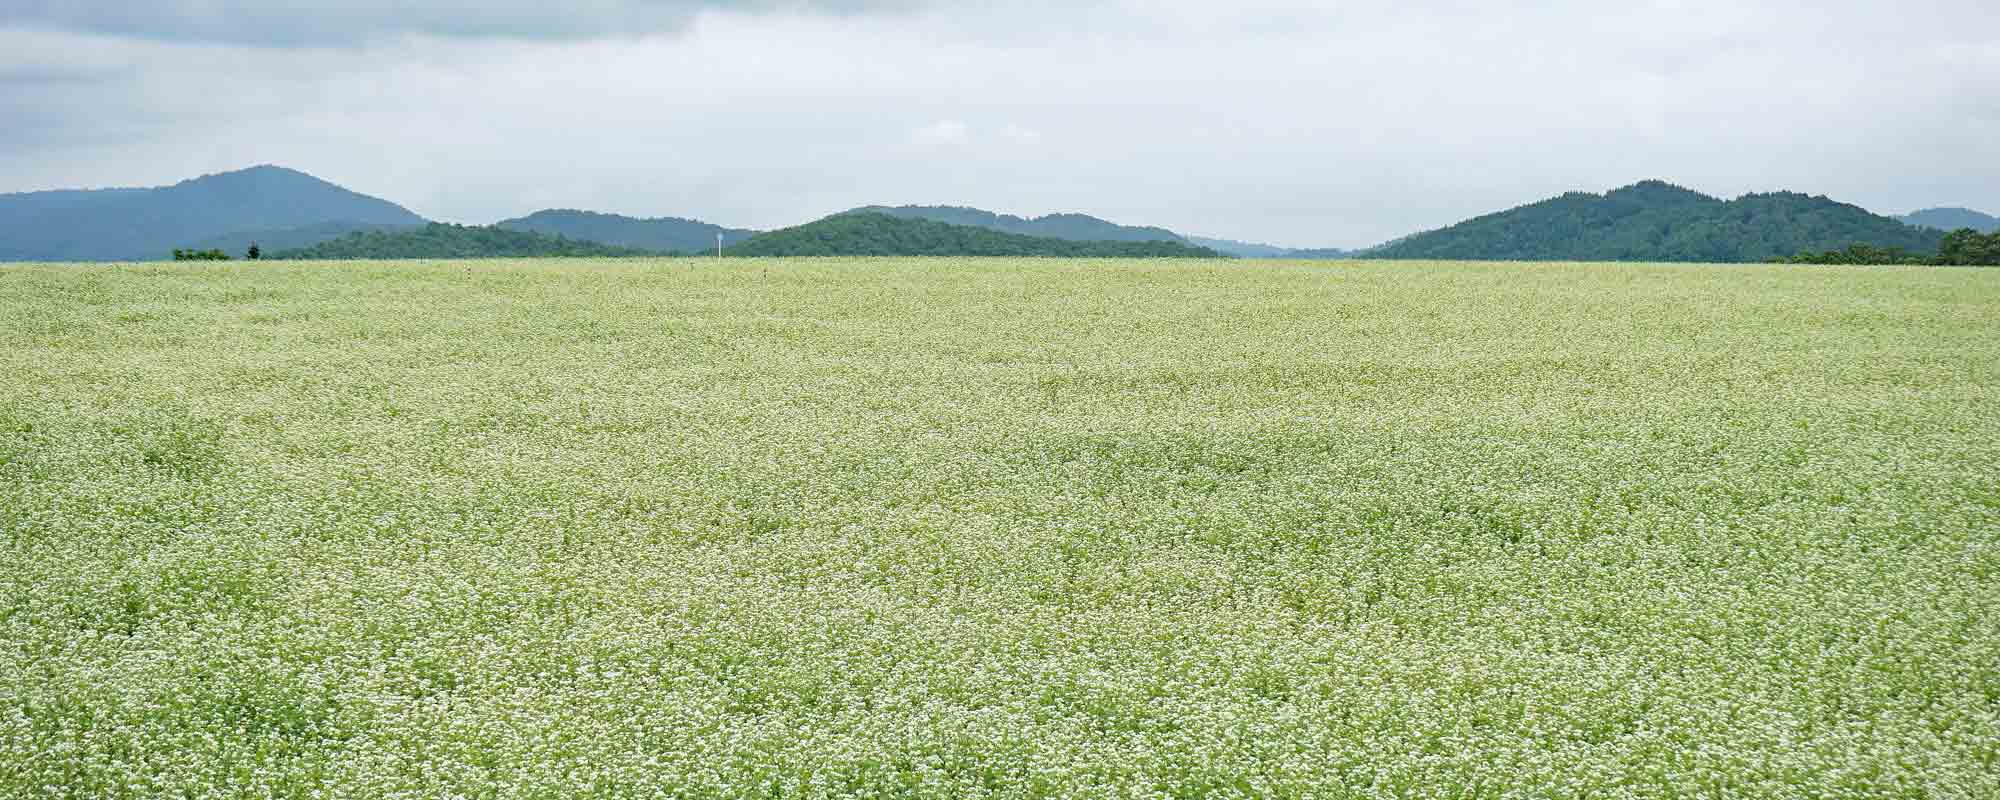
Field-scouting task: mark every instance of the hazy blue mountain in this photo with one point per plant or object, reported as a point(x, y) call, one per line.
point(1255, 250)
point(1951, 219)
point(132, 224)
point(1656, 221)
point(662, 234)
point(57, 199)
point(863, 233)
point(1074, 227)
point(1323, 254)
point(441, 240)
point(1240, 249)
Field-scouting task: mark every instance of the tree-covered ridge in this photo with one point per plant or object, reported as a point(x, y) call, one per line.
point(275, 241)
point(1657, 221)
point(1075, 227)
point(443, 240)
point(1951, 219)
point(661, 234)
point(870, 234)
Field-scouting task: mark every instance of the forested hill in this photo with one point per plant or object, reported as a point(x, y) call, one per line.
point(273, 241)
point(1075, 227)
point(662, 234)
point(872, 234)
point(441, 240)
point(1656, 221)
point(1951, 219)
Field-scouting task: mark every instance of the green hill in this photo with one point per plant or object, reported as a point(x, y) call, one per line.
point(145, 224)
point(1656, 221)
point(1951, 219)
point(1075, 227)
point(272, 241)
point(662, 234)
point(1086, 228)
point(872, 234)
point(441, 240)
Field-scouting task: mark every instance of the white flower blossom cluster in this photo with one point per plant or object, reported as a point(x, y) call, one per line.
point(998, 528)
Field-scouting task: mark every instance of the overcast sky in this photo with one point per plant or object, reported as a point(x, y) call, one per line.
point(1297, 123)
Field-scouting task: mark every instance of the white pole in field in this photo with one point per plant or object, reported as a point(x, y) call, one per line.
point(718, 245)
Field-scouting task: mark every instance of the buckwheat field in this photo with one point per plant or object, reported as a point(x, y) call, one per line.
point(990, 528)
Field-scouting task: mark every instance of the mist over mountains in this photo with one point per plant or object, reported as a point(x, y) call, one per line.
point(290, 212)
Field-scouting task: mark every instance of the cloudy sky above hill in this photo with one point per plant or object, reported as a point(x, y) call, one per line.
point(1299, 123)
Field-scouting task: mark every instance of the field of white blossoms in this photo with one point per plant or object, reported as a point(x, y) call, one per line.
point(942, 528)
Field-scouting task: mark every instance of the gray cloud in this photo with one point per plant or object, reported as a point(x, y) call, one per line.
point(347, 22)
point(1293, 121)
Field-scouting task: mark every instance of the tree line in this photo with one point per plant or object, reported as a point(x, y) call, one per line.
point(191, 254)
point(443, 240)
point(1964, 247)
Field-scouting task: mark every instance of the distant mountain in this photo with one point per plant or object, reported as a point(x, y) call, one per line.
point(1238, 249)
point(440, 240)
point(1951, 219)
point(136, 224)
point(863, 233)
point(1255, 250)
point(663, 234)
point(1323, 254)
point(1656, 221)
point(1074, 227)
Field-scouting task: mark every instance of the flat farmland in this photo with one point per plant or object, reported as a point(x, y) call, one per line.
point(999, 528)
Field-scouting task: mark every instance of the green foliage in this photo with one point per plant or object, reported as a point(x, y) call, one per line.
point(279, 240)
point(190, 254)
point(942, 528)
point(444, 240)
point(1963, 247)
point(1857, 255)
point(664, 234)
point(254, 252)
point(870, 234)
point(1656, 221)
point(1968, 247)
